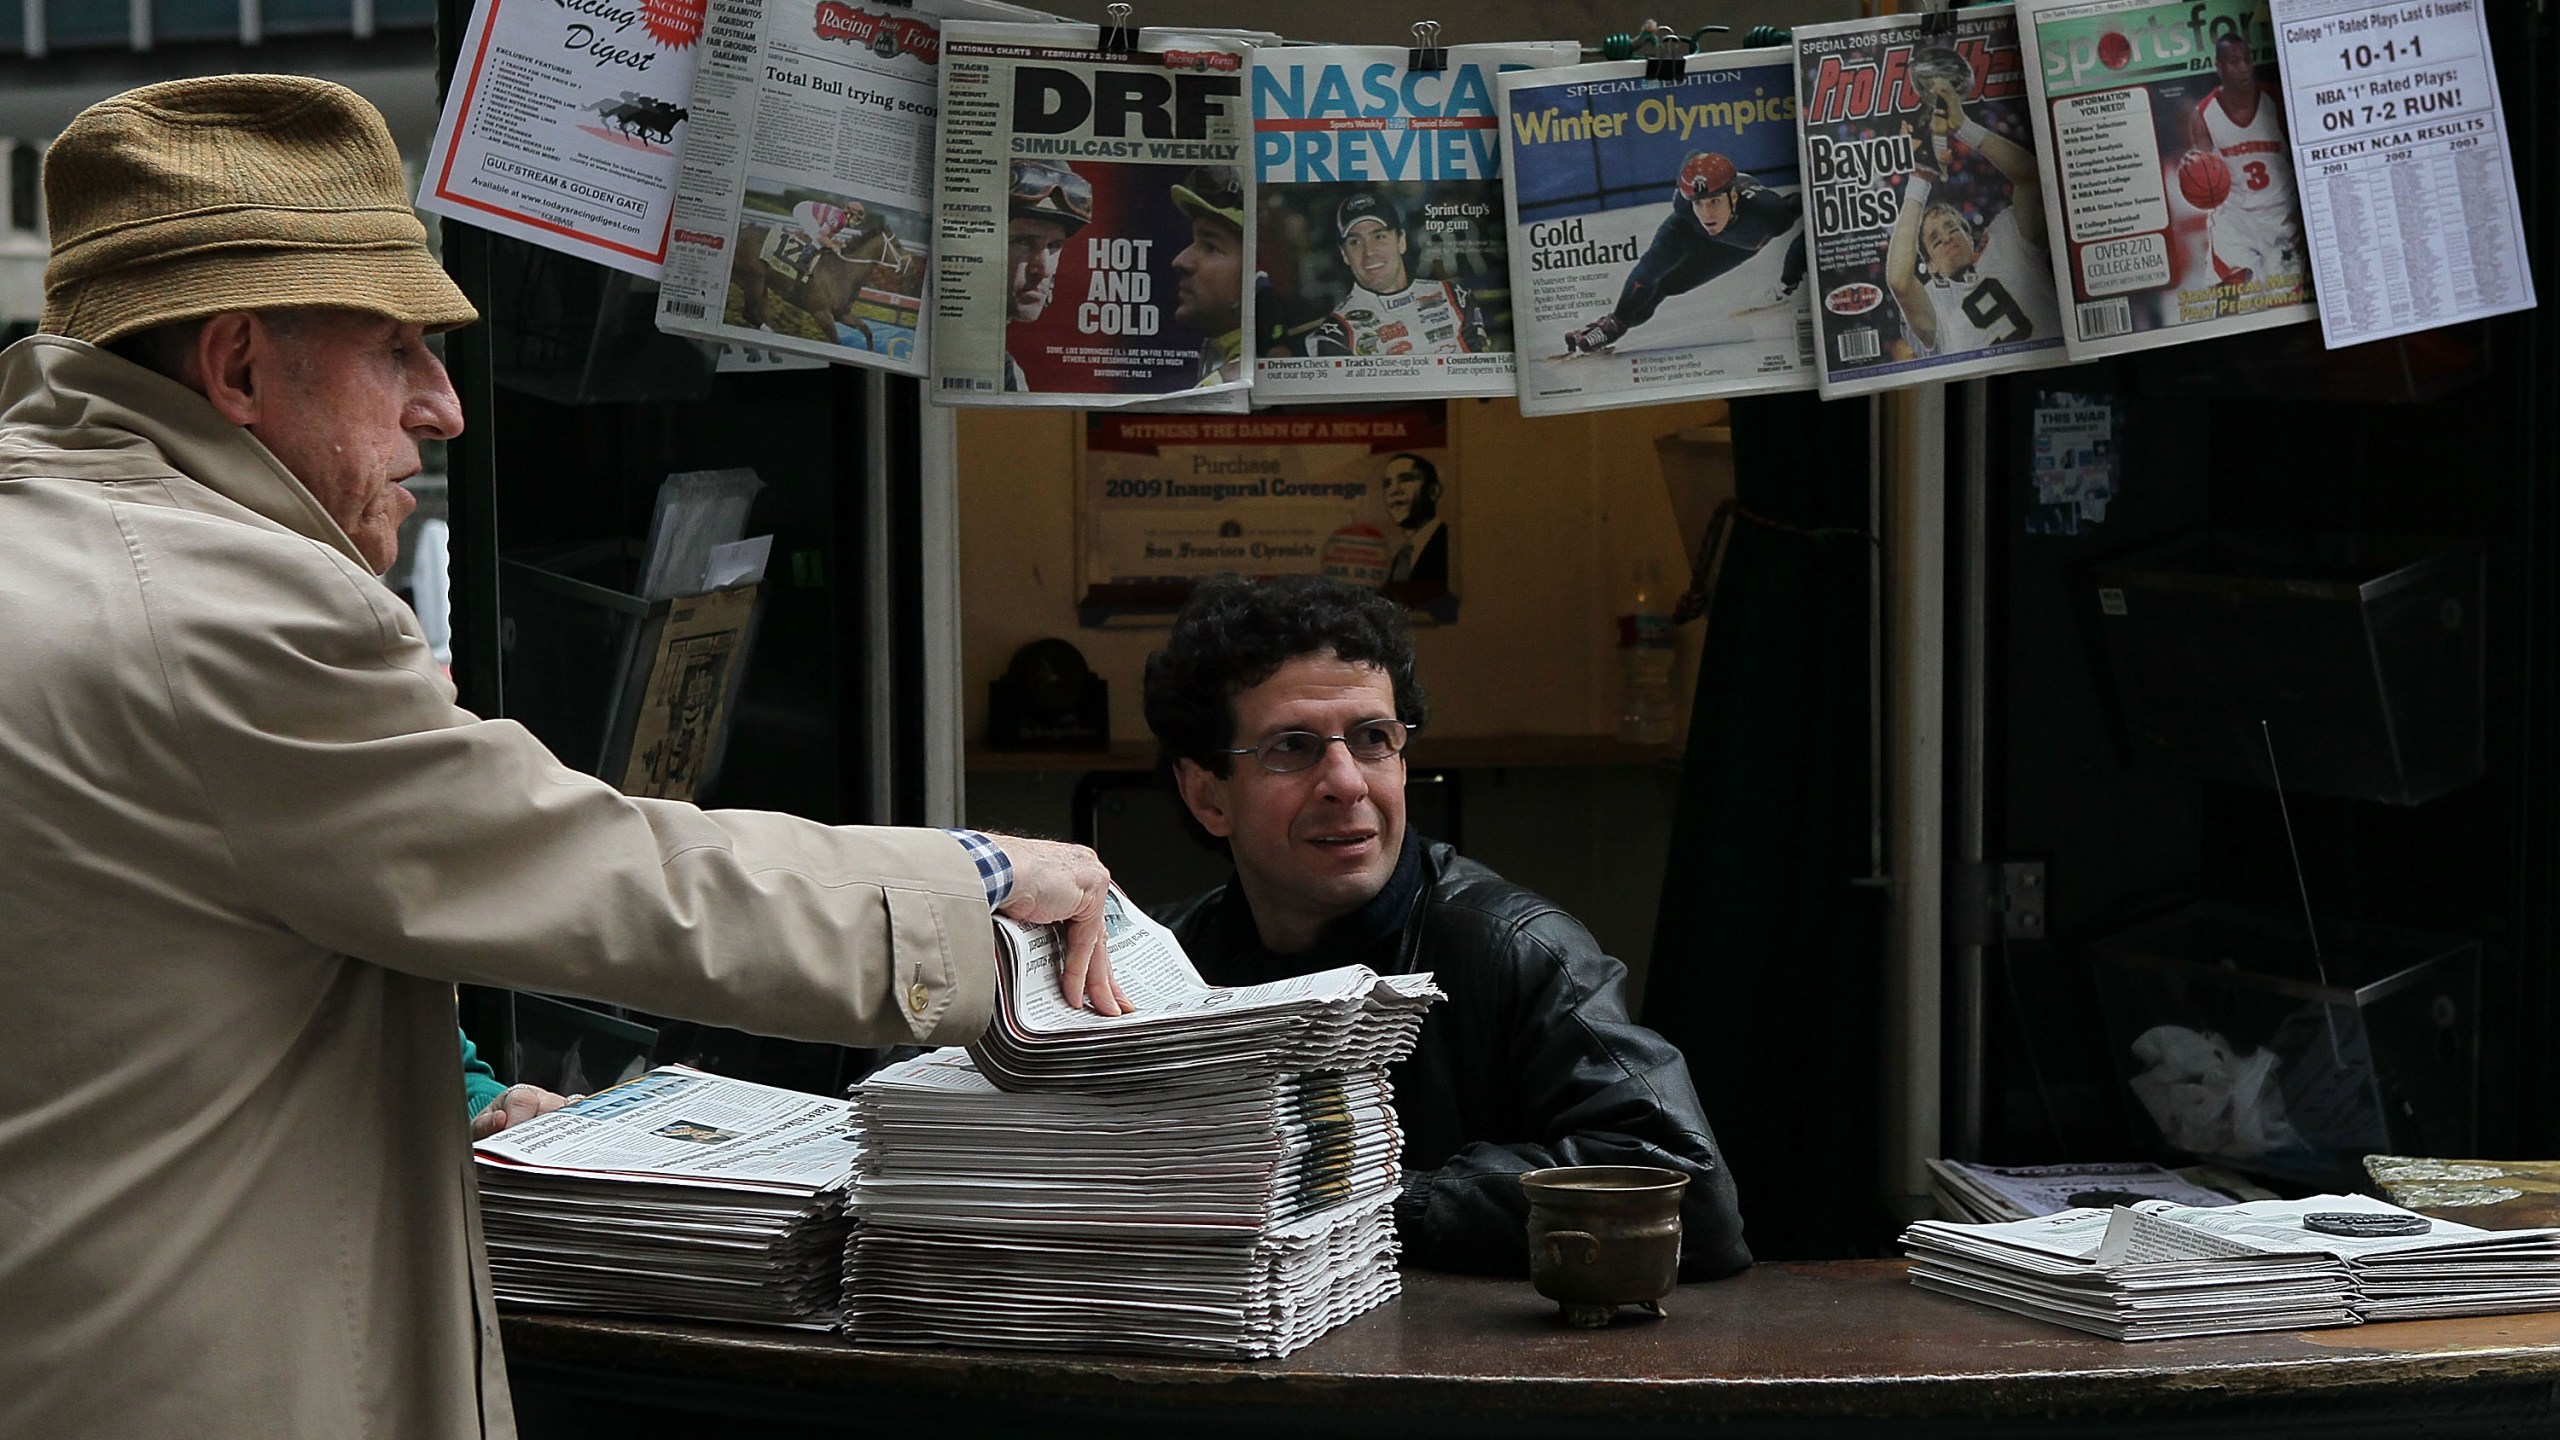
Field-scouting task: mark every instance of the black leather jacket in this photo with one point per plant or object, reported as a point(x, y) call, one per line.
point(1531, 1061)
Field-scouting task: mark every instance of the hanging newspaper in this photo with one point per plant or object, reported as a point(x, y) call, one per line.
point(1381, 212)
point(1660, 250)
point(2411, 185)
point(2173, 185)
point(803, 205)
point(1922, 202)
point(562, 124)
point(1090, 246)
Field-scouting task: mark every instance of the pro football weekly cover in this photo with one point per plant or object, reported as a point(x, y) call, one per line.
point(1923, 205)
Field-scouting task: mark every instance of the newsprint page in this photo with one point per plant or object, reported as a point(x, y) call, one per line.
point(1922, 201)
point(1382, 235)
point(1658, 247)
point(2163, 126)
point(804, 207)
point(1071, 183)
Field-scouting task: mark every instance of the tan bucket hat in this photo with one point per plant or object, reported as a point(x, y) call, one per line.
point(233, 192)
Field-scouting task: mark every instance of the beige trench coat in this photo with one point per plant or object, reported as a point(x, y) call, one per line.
point(250, 846)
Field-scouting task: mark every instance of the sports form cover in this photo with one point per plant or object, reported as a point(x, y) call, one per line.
point(1658, 248)
point(2173, 191)
point(1922, 201)
point(1089, 245)
point(1381, 222)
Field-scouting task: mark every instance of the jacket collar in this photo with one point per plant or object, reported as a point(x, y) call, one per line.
point(71, 410)
point(1378, 934)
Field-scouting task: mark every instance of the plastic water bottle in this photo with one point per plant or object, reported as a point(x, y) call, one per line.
point(1645, 660)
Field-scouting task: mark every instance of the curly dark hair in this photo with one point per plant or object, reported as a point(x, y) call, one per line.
point(1235, 633)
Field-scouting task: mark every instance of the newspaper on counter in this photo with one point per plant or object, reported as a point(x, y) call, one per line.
point(2158, 1270)
point(1658, 246)
point(1089, 239)
point(804, 203)
point(2162, 127)
point(1381, 222)
point(1183, 1031)
point(2409, 182)
point(1923, 203)
point(677, 1193)
point(562, 123)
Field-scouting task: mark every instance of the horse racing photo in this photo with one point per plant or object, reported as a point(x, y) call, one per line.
point(826, 267)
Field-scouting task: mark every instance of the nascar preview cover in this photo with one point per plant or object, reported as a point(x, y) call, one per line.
point(2173, 170)
point(1384, 269)
point(1923, 205)
point(1657, 239)
point(1090, 244)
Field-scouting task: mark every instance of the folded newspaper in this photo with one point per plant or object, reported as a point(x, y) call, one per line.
point(676, 1193)
point(2158, 1270)
point(804, 207)
point(1240, 1218)
point(1184, 1031)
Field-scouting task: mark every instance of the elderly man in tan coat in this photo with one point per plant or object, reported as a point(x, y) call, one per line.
point(252, 844)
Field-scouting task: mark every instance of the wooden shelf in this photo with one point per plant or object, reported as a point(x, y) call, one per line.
point(1430, 752)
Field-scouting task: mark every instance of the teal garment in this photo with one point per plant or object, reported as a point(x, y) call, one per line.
point(480, 1084)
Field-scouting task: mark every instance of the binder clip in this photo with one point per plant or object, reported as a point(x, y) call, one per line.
point(1663, 66)
point(1426, 57)
point(1118, 36)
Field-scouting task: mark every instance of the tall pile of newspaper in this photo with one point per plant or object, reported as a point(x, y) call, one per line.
point(678, 1194)
point(2157, 1270)
point(1214, 1175)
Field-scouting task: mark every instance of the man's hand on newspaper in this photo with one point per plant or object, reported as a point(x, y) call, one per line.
point(1054, 883)
point(516, 1102)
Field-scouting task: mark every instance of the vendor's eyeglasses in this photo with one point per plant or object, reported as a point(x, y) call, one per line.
point(1370, 742)
point(1036, 181)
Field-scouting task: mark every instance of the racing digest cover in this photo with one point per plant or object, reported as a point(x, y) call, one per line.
point(1658, 246)
point(1090, 245)
point(1384, 272)
point(1923, 207)
point(2164, 129)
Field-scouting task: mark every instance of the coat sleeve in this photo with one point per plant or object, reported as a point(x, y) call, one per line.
point(364, 812)
point(1594, 1088)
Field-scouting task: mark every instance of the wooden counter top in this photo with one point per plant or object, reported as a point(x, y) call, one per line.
point(1811, 1349)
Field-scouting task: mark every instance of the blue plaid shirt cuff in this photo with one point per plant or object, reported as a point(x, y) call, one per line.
point(995, 868)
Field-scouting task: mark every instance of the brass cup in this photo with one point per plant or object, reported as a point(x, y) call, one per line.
point(1602, 1236)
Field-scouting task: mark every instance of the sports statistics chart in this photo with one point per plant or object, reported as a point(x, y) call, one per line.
point(2173, 188)
point(1923, 202)
point(1658, 248)
point(2408, 186)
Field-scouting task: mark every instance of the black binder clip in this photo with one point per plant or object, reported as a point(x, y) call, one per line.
point(1665, 66)
point(1427, 57)
point(1118, 36)
point(1939, 19)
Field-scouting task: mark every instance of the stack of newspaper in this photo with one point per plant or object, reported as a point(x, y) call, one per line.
point(2156, 1270)
point(1183, 1029)
point(1241, 1219)
point(677, 1193)
point(1213, 1174)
